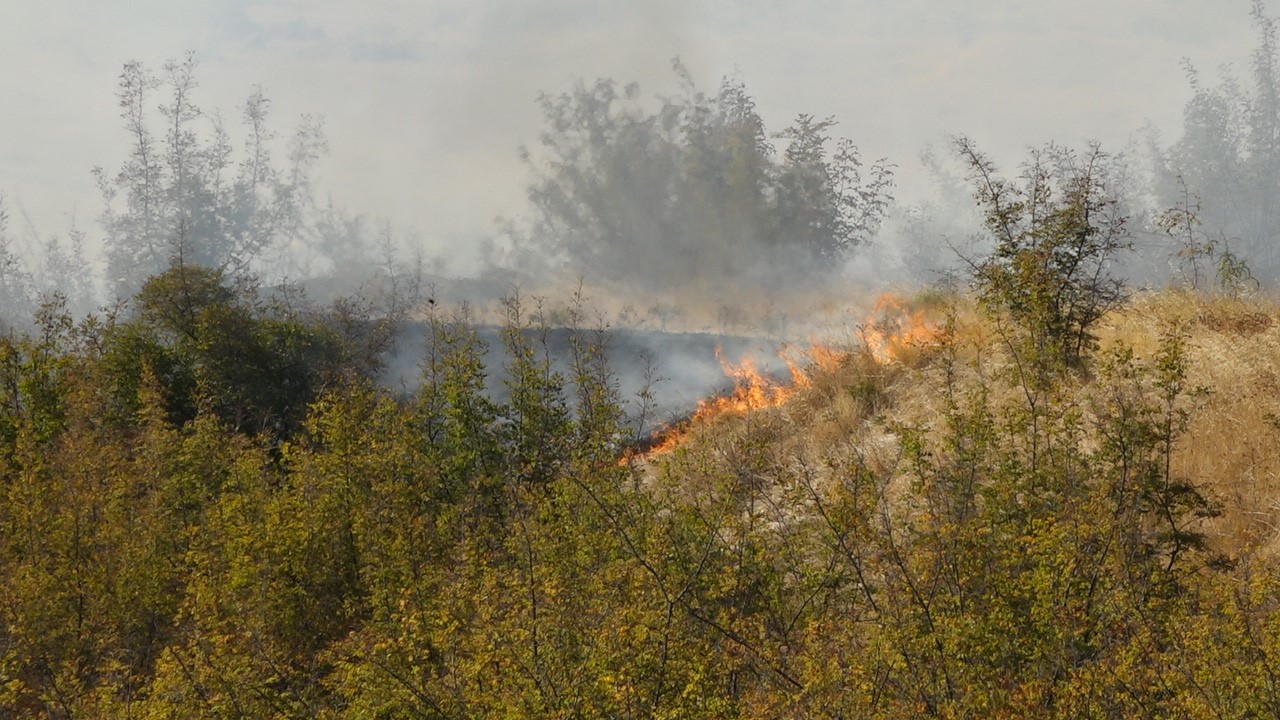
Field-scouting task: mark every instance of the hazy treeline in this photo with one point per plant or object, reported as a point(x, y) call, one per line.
point(193, 191)
point(692, 191)
point(1224, 168)
point(685, 192)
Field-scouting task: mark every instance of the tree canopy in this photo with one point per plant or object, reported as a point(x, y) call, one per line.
point(1225, 165)
point(692, 189)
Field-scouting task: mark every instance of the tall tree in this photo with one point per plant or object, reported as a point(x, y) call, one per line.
point(180, 197)
point(693, 191)
point(15, 281)
point(1228, 156)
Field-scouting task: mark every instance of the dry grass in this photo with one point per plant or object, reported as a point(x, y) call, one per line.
point(1230, 447)
point(849, 412)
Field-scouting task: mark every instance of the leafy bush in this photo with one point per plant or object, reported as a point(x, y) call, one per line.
point(1055, 230)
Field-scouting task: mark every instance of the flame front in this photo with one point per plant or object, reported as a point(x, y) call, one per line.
point(753, 389)
point(891, 329)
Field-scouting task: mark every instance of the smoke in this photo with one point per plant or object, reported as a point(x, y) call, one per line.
point(669, 226)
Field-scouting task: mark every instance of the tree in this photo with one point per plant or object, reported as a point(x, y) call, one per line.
point(66, 269)
point(1228, 155)
point(15, 281)
point(180, 194)
point(823, 204)
point(693, 191)
point(258, 365)
point(537, 414)
point(1055, 232)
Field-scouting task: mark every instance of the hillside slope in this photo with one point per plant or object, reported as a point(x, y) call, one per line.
point(1232, 383)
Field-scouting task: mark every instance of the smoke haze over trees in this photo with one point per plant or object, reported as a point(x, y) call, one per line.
point(182, 197)
point(1034, 497)
point(659, 191)
point(693, 191)
point(1225, 167)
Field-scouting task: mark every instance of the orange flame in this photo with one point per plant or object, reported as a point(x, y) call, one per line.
point(893, 327)
point(752, 390)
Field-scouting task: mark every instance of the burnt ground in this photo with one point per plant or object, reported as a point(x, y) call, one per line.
point(683, 367)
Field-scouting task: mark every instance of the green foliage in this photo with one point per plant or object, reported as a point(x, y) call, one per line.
point(1055, 234)
point(1233, 274)
point(1049, 539)
point(34, 372)
point(694, 189)
point(463, 553)
point(457, 418)
point(256, 367)
point(538, 424)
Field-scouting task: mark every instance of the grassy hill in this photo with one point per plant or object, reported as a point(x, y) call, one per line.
point(851, 403)
point(1233, 353)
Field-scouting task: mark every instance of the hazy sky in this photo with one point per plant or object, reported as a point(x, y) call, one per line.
point(427, 101)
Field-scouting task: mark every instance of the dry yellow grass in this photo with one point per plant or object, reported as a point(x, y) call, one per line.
point(1230, 446)
point(1230, 449)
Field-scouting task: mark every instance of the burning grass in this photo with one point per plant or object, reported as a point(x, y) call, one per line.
point(899, 327)
point(843, 401)
point(897, 330)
